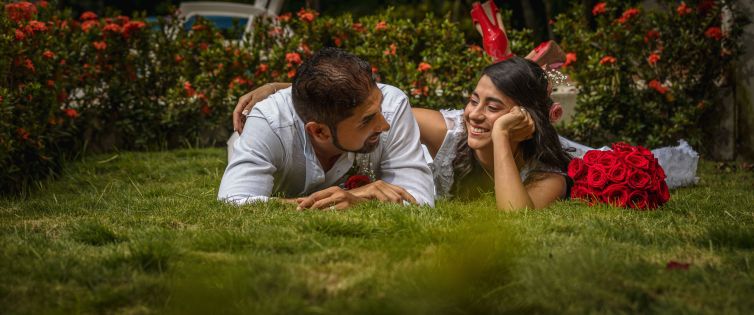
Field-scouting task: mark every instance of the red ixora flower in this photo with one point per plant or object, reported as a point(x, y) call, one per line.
point(599, 8)
point(132, 26)
point(206, 110)
point(653, 58)
point(381, 26)
point(714, 32)
point(357, 27)
point(20, 35)
point(423, 66)
point(71, 113)
point(651, 35)
point(285, 17)
point(683, 9)
point(87, 25)
point(20, 11)
point(627, 15)
point(262, 68)
point(37, 26)
point(570, 59)
point(307, 15)
point(28, 64)
point(88, 15)
point(293, 58)
point(608, 60)
point(356, 181)
point(113, 28)
point(99, 45)
point(657, 86)
point(391, 51)
point(190, 91)
point(48, 54)
point(22, 133)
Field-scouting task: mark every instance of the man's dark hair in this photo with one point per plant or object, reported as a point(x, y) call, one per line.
point(329, 85)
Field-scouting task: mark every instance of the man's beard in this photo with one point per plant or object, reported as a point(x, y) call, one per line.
point(366, 148)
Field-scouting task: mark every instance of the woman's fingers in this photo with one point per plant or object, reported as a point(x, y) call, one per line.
point(239, 118)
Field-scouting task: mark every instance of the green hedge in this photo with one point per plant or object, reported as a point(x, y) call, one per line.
point(649, 76)
point(71, 85)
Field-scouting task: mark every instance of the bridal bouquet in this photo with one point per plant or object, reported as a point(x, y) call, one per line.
point(626, 176)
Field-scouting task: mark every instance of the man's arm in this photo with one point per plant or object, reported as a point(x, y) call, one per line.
point(255, 158)
point(403, 161)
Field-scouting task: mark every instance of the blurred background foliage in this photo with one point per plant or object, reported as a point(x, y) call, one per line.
point(534, 15)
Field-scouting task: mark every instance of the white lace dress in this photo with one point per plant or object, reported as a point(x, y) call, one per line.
point(679, 162)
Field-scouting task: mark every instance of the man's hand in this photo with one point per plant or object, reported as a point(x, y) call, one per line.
point(248, 100)
point(384, 192)
point(330, 198)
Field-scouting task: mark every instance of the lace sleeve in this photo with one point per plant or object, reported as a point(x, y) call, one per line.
point(442, 166)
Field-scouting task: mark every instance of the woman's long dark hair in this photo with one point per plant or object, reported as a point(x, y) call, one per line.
point(526, 83)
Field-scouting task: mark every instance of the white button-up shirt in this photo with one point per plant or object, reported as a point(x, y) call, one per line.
point(274, 156)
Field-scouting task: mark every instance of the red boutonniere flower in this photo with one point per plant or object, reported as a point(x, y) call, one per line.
point(356, 181)
point(360, 174)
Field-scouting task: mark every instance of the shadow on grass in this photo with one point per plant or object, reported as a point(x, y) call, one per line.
point(471, 271)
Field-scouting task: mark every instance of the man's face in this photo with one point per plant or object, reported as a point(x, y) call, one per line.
point(360, 132)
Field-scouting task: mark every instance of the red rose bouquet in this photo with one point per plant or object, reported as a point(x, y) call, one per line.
point(626, 176)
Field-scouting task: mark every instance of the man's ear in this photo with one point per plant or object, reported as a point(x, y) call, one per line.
point(318, 131)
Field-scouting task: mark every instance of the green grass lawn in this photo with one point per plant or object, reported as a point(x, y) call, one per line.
point(143, 233)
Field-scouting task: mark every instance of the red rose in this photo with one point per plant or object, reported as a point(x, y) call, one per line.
point(356, 181)
point(637, 160)
point(617, 173)
point(607, 160)
point(615, 194)
point(644, 151)
point(638, 199)
point(663, 193)
point(658, 172)
point(583, 192)
point(596, 176)
point(622, 147)
point(592, 157)
point(639, 179)
point(576, 168)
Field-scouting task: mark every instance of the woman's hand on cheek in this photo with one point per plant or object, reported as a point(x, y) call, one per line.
point(516, 125)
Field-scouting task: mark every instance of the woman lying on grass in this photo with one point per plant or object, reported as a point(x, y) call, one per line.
point(502, 141)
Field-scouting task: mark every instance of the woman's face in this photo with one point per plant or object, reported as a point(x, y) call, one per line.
point(486, 105)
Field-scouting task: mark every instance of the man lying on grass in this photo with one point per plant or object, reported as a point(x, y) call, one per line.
point(302, 142)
